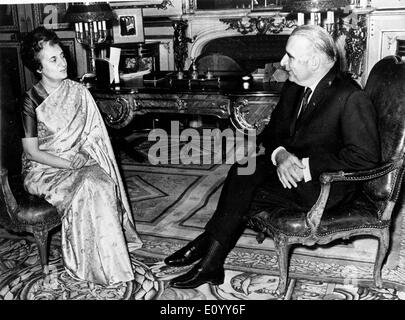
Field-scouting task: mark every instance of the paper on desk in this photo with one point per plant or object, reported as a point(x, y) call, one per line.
point(115, 54)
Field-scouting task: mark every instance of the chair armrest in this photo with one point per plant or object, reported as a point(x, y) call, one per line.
point(364, 175)
point(314, 216)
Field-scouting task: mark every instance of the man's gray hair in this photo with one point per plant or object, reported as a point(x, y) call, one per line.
point(320, 39)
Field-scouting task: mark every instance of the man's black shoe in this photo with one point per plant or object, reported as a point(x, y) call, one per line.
point(198, 276)
point(189, 254)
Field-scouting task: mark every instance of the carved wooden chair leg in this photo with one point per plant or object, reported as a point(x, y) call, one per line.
point(383, 244)
point(282, 248)
point(41, 237)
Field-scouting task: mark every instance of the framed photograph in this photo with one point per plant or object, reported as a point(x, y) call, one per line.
point(50, 15)
point(8, 18)
point(132, 65)
point(129, 26)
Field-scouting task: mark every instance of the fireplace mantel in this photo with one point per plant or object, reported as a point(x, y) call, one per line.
point(205, 26)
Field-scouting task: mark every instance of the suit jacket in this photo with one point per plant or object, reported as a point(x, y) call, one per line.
point(338, 131)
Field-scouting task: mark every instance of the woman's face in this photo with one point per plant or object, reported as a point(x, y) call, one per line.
point(53, 63)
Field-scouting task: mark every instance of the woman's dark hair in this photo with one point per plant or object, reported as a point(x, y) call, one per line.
point(33, 43)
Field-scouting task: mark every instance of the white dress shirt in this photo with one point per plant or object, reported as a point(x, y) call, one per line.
point(305, 161)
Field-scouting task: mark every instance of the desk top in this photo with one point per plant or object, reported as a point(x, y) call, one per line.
point(226, 85)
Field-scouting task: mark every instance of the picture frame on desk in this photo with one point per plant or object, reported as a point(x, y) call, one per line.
point(136, 66)
point(129, 26)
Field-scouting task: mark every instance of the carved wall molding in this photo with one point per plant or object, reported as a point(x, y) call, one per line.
point(385, 27)
point(392, 40)
point(166, 45)
point(356, 46)
point(180, 43)
point(192, 5)
point(165, 4)
point(259, 25)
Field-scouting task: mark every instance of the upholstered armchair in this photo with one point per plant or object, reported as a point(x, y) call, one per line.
point(370, 213)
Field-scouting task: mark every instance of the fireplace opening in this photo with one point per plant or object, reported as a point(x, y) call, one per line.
point(241, 54)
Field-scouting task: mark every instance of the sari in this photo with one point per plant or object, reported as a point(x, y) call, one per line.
point(98, 230)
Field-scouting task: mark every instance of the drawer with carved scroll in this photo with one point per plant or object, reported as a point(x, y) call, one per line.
point(117, 110)
point(253, 112)
point(197, 104)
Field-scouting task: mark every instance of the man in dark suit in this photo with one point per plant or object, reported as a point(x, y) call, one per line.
point(323, 122)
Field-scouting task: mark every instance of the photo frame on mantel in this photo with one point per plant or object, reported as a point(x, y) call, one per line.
point(128, 28)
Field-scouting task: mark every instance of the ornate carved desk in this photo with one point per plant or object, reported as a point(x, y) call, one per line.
point(247, 104)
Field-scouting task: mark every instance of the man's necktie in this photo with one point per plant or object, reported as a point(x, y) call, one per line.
point(304, 102)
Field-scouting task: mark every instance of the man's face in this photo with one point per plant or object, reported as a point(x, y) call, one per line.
point(296, 61)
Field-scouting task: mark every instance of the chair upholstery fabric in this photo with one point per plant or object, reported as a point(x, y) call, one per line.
point(360, 213)
point(32, 209)
point(386, 88)
point(35, 210)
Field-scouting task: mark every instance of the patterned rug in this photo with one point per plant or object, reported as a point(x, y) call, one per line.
point(171, 205)
point(21, 278)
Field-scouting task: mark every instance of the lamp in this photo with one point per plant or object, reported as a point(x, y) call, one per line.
point(90, 19)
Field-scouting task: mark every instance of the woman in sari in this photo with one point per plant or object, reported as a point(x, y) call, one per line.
point(68, 160)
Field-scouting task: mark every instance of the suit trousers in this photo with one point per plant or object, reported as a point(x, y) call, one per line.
point(244, 195)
